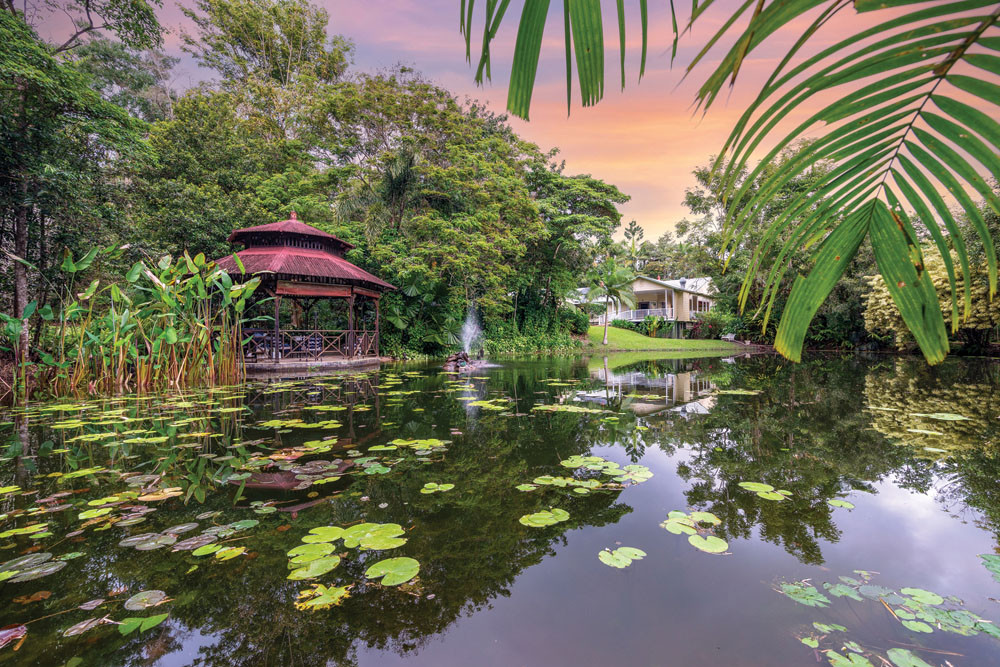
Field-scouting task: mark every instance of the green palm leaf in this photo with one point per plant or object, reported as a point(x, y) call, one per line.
point(901, 133)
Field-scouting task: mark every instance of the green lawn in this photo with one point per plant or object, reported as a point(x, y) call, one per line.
point(622, 339)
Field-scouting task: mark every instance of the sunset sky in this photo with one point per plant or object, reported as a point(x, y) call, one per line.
point(646, 140)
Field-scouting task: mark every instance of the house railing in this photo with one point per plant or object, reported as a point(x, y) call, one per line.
point(639, 314)
point(308, 344)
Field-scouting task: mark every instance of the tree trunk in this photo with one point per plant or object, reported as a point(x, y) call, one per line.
point(607, 308)
point(20, 270)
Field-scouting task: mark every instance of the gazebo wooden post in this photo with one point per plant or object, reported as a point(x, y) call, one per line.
point(376, 328)
point(350, 324)
point(277, 330)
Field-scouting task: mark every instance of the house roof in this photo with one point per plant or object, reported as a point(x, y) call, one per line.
point(703, 286)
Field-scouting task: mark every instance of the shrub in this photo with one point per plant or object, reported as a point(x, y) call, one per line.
point(575, 320)
point(712, 324)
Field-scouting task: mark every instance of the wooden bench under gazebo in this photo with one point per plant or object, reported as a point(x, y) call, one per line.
point(298, 262)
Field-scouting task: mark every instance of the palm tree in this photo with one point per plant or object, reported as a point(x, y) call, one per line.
point(611, 282)
point(381, 200)
point(900, 118)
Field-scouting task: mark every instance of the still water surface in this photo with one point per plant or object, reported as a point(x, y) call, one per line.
point(913, 450)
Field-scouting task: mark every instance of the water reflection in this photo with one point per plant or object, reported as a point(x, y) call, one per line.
point(251, 453)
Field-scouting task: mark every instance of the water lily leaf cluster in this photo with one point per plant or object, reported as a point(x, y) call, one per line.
point(434, 487)
point(544, 518)
point(765, 491)
point(698, 527)
point(621, 557)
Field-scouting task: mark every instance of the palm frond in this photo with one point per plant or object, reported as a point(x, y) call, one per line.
point(905, 130)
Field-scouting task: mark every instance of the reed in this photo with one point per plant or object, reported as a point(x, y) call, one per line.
point(164, 326)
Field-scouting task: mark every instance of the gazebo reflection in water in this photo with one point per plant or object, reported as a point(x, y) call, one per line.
point(298, 262)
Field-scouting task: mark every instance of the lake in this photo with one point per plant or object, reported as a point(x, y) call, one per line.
point(572, 511)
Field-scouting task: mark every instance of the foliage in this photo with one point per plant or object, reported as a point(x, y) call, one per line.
point(169, 325)
point(890, 103)
point(712, 324)
point(276, 40)
point(881, 317)
point(60, 141)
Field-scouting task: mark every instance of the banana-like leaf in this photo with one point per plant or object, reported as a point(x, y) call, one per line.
point(808, 294)
point(905, 110)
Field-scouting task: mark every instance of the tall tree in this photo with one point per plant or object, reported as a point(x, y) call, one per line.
point(275, 40)
point(51, 116)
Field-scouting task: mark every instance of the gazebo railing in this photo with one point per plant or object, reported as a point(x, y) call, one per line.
point(312, 344)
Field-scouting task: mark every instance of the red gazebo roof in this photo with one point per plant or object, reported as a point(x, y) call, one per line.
point(293, 261)
point(290, 226)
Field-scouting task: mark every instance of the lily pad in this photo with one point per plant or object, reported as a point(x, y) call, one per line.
point(130, 625)
point(804, 593)
point(229, 553)
point(195, 542)
point(144, 600)
point(39, 571)
point(922, 596)
point(206, 550)
point(82, 627)
point(322, 597)
point(756, 487)
point(310, 552)
point(710, 544)
point(837, 502)
point(394, 571)
point(621, 557)
point(917, 626)
point(377, 536)
point(544, 518)
point(314, 568)
point(324, 534)
point(850, 660)
point(434, 487)
point(902, 657)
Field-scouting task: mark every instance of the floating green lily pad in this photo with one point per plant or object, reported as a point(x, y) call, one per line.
point(324, 534)
point(621, 557)
point(922, 596)
point(710, 544)
point(805, 594)
point(378, 536)
point(314, 568)
point(544, 518)
point(837, 502)
point(310, 552)
point(902, 657)
point(394, 571)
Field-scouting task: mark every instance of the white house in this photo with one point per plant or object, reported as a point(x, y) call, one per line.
point(677, 301)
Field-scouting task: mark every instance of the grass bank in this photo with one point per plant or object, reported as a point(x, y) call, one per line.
point(623, 339)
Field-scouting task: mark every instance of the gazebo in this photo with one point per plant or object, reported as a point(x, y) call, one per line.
point(299, 262)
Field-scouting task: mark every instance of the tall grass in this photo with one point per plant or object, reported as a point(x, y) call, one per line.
point(173, 324)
